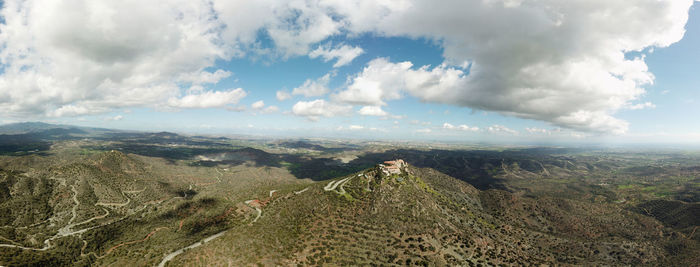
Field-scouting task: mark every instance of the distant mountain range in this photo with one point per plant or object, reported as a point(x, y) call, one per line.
point(37, 127)
point(80, 196)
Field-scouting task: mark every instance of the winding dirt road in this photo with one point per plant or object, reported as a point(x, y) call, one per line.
point(247, 202)
point(334, 184)
point(174, 254)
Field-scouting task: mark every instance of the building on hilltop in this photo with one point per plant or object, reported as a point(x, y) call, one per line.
point(392, 167)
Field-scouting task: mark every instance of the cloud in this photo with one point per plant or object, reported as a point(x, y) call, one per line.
point(73, 110)
point(500, 129)
point(360, 128)
point(372, 111)
point(270, 109)
point(312, 88)
point(315, 109)
point(116, 118)
point(535, 130)
point(556, 132)
point(343, 54)
point(378, 82)
point(211, 99)
point(204, 77)
point(240, 108)
point(396, 117)
point(554, 61)
point(416, 122)
point(382, 80)
point(292, 26)
point(462, 127)
point(282, 95)
point(641, 106)
point(66, 58)
point(424, 131)
point(258, 105)
point(562, 62)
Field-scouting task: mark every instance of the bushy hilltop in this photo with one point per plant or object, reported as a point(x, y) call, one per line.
point(423, 217)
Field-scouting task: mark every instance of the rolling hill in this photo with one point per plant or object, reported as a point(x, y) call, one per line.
point(424, 217)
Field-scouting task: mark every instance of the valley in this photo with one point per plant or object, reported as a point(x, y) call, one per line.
point(103, 197)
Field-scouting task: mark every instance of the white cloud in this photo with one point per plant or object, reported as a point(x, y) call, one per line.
point(372, 111)
point(116, 118)
point(240, 108)
point(270, 109)
point(535, 130)
point(211, 99)
point(204, 77)
point(360, 128)
point(378, 82)
point(258, 105)
point(73, 110)
point(66, 58)
point(315, 109)
point(556, 132)
point(424, 130)
point(282, 95)
point(462, 127)
point(343, 54)
point(641, 106)
point(312, 88)
point(500, 129)
point(382, 80)
point(563, 63)
point(293, 26)
point(417, 122)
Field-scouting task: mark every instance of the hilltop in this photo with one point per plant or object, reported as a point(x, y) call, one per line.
point(73, 196)
point(423, 217)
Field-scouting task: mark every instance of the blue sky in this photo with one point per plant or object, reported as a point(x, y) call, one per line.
point(475, 71)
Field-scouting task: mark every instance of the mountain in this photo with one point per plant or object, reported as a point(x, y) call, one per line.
point(27, 127)
point(49, 205)
point(46, 128)
point(32, 137)
point(423, 217)
point(147, 199)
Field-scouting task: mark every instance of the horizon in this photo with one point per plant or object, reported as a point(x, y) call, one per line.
point(269, 133)
point(322, 70)
point(440, 144)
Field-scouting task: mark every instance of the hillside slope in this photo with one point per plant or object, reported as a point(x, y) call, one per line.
point(424, 217)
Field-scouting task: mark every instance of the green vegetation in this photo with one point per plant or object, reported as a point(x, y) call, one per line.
point(94, 197)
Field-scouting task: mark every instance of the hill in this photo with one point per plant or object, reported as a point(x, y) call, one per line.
point(144, 199)
point(424, 217)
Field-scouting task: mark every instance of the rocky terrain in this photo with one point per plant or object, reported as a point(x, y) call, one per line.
point(424, 217)
point(95, 197)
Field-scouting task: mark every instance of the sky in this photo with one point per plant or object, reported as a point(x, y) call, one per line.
point(539, 71)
